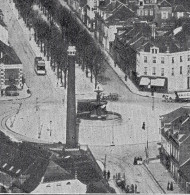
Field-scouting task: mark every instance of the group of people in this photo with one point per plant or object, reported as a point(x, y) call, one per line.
point(121, 183)
point(170, 186)
point(107, 174)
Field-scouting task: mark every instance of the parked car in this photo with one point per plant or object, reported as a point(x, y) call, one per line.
point(11, 91)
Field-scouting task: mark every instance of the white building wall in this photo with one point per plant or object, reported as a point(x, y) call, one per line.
point(176, 81)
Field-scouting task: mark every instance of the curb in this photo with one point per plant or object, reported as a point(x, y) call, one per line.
point(150, 173)
point(23, 137)
point(107, 55)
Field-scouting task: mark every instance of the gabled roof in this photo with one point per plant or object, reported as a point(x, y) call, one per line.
point(107, 6)
point(56, 173)
point(122, 14)
point(179, 8)
point(9, 55)
point(165, 3)
point(167, 118)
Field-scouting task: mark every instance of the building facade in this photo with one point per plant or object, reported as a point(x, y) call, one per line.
point(175, 144)
point(11, 68)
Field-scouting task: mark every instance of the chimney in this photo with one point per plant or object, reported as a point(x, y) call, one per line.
point(71, 129)
point(153, 31)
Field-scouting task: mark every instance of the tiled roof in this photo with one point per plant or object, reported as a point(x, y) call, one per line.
point(56, 173)
point(167, 118)
point(9, 55)
point(83, 3)
point(165, 3)
point(179, 8)
point(185, 170)
point(108, 6)
point(22, 164)
point(122, 14)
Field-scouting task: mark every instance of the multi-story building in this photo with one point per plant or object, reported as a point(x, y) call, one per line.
point(79, 7)
point(108, 19)
point(125, 45)
point(11, 68)
point(179, 12)
point(175, 144)
point(164, 62)
point(154, 11)
point(91, 9)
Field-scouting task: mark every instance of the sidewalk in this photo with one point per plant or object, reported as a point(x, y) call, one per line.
point(162, 176)
point(129, 84)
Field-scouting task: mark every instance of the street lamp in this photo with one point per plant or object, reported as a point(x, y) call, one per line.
point(152, 93)
point(146, 148)
point(50, 129)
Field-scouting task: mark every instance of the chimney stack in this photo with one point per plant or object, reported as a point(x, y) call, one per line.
point(153, 31)
point(71, 129)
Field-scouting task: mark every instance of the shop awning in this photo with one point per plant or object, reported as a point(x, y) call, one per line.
point(144, 81)
point(158, 82)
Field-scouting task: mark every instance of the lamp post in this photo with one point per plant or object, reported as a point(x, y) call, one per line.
point(152, 93)
point(146, 148)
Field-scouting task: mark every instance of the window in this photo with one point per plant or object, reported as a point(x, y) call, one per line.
point(164, 15)
point(181, 60)
point(145, 70)
point(152, 50)
point(145, 59)
point(172, 60)
point(172, 71)
point(154, 59)
point(162, 71)
point(162, 60)
point(180, 69)
point(188, 69)
point(146, 12)
point(151, 12)
point(154, 71)
point(188, 58)
point(155, 50)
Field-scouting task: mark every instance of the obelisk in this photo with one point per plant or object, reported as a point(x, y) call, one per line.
point(71, 129)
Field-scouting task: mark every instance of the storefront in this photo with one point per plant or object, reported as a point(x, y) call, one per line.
point(157, 84)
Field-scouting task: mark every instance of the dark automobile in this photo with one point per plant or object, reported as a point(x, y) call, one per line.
point(11, 91)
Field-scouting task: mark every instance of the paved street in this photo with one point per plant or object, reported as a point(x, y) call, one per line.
point(47, 103)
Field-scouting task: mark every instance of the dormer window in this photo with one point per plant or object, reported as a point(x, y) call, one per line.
point(155, 50)
point(141, 3)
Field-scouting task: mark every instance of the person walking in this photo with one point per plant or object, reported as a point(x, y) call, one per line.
point(135, 188)
point(132, 188)
point(168, 186)
point(171, 186)
point(108, 175)
point(104, 173)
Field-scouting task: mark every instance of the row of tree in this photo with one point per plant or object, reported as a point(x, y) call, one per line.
point(54, 41)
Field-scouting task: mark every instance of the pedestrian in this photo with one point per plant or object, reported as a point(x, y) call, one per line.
point(125, 77)
point(1, 92)
point(104, 173)
point(132, 188)
point(127, 189)
point(108, 175)
point(135, 188)
point(135, 161)
point(168, 186)
point(171, 186)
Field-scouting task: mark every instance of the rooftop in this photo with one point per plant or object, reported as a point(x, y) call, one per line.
point(9, 55)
